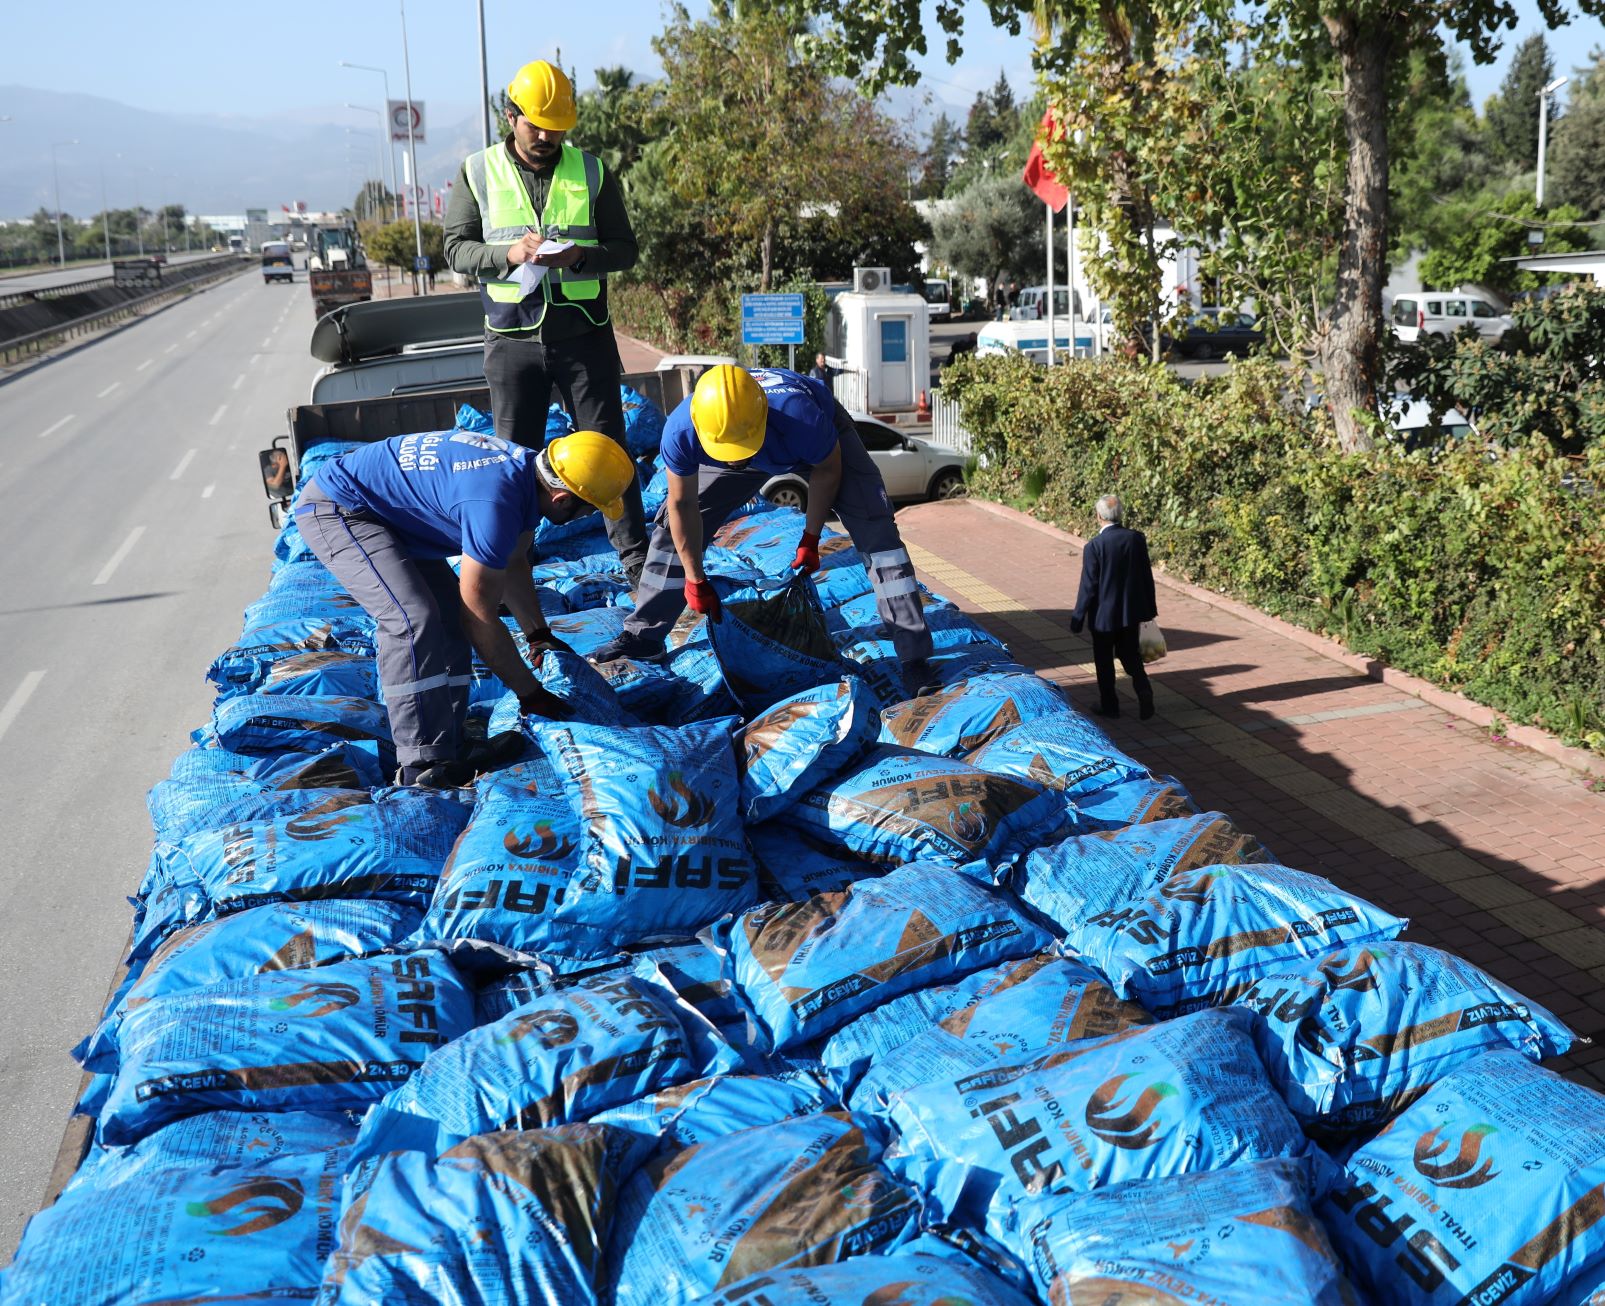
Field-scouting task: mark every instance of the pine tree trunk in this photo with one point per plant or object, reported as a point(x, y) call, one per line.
point(1350, 347)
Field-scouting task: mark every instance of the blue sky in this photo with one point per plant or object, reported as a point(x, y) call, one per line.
point(207, 58)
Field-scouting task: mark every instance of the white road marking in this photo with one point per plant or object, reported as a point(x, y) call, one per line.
point(19, 700)
point(207, 492)
point(237, 381)
point(56, 426)
point(183, 463)
point(116, 559)
point(108, 389)
point(218, 415)
point(267, 342)
point(169, 349)
point(144, 365)
point(189, 334)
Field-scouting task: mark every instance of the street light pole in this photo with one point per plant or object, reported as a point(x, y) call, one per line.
point(1543, 129)
point(384, 118)
point(383, 133)
point(484, 81)
point(55, 174)
point(105, 219)
point(412, 144)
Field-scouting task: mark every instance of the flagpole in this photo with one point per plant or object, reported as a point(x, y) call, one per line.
point(1052, 357)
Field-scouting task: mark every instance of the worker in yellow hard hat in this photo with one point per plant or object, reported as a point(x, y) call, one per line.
point(539, 224)
point(737, 430)
point(384, 517)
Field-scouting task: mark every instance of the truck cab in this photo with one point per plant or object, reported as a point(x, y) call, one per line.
point(278, 264)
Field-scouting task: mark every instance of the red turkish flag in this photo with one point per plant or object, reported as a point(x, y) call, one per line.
point(1037, 174)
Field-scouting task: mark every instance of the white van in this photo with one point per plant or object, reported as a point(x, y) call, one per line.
point(1032, 304)
point(1031, 339)
point(1438, 314)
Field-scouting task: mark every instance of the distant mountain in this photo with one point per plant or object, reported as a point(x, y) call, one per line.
point(210, 163)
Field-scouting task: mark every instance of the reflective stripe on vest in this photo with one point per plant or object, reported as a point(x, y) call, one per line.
point(507, 215)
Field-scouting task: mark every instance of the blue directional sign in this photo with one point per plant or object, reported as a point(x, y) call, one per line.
point(772, 319)
point(421, 263)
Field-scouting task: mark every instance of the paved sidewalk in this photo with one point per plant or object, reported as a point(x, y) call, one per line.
point(1494, 852)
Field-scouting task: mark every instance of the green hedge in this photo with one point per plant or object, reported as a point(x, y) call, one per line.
point(1483, 573)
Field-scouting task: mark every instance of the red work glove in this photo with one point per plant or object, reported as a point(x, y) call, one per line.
point(703, 598)
point(807, 558)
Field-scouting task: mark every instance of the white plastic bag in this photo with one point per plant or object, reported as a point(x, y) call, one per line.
point(1151, 640)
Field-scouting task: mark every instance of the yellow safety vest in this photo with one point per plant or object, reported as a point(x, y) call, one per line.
point(506, 215)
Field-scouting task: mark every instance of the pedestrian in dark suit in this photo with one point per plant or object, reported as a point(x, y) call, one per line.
point(1117, 596)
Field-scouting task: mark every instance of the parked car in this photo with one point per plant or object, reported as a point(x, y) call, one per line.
point(1431, 314)
point(913, 469)
point(1031, 305)
point(1217, 332)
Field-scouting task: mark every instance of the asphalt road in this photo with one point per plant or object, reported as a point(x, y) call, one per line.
point(79, 272)
point(137, 531)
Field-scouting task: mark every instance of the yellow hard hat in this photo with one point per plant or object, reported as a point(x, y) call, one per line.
point(544, 95)
point(595, 468)
point(728, 410)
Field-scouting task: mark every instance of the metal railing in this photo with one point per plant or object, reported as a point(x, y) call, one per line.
point(848, 387)
point(947, 430)
point(36, 341)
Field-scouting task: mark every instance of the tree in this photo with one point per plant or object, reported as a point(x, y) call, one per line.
point(1441, 155)
point(755, 139)
point(610, 119)
point(373, 203)
point(945, 142)
point(994, 230)
point(1577, 144)
point(1366, 40)
point(1512, 113)
point(1479, 236)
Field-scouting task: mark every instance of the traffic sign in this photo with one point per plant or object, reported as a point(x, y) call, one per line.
point(421, 263)
point(399, 120)
point(772, 319)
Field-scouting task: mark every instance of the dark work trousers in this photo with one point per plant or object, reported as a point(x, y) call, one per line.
point(585, 369)
point(865, 511)
point(424, 657)
point(1106, 646)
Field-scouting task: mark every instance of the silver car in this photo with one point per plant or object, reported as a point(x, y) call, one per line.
point(913, 469)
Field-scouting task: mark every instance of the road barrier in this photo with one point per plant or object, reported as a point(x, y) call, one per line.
point(34, 321)
point(947, 430)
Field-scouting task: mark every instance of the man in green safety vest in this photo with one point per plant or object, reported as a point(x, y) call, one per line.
point(540, 224)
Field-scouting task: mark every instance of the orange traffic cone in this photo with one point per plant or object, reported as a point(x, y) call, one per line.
point(922, 410)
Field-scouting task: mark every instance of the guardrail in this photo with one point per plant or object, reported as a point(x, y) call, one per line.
point(185, 278)
point(16, 298)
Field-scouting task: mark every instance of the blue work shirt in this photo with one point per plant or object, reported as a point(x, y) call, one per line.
point(800, 430)
point(442, 492)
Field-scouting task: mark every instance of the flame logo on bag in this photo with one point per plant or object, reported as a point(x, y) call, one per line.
point(1109, 1116)
point(543, 844)
point(1464, 1170)
point(1358, 976)
point(312, 830)
point(967, 822)
point(331, 997)
point(258, 1203)
point(698, 808)
point(556, 1028)
point(1188, 886)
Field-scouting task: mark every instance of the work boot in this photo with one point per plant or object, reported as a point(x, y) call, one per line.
point(920, 679)
point(1145, 706)
point(449, 774)
point(1107, 709)
point(638, 648)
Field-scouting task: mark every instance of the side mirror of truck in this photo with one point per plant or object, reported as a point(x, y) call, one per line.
point(277, 479)
point(276, 514)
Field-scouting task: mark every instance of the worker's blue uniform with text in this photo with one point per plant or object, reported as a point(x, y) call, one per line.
point(804, 424)
point(383, 518)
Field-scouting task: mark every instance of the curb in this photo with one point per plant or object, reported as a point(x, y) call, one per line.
point(1580, 760)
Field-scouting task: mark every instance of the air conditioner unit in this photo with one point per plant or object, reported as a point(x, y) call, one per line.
point(869, 280)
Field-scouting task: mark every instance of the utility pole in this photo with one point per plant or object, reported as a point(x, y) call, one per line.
point(484, 81)
point(105, 220)
point(1543, 129)
point(384, 118)
point(412, 150)
point(55, 174)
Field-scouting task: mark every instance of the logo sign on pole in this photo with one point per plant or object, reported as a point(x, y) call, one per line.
point(399, 120)
point(420, 263)
point(772, 319)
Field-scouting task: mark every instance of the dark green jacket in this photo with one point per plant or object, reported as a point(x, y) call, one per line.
point(467, 253)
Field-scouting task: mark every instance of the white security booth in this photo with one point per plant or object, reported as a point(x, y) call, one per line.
point(881, 339)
